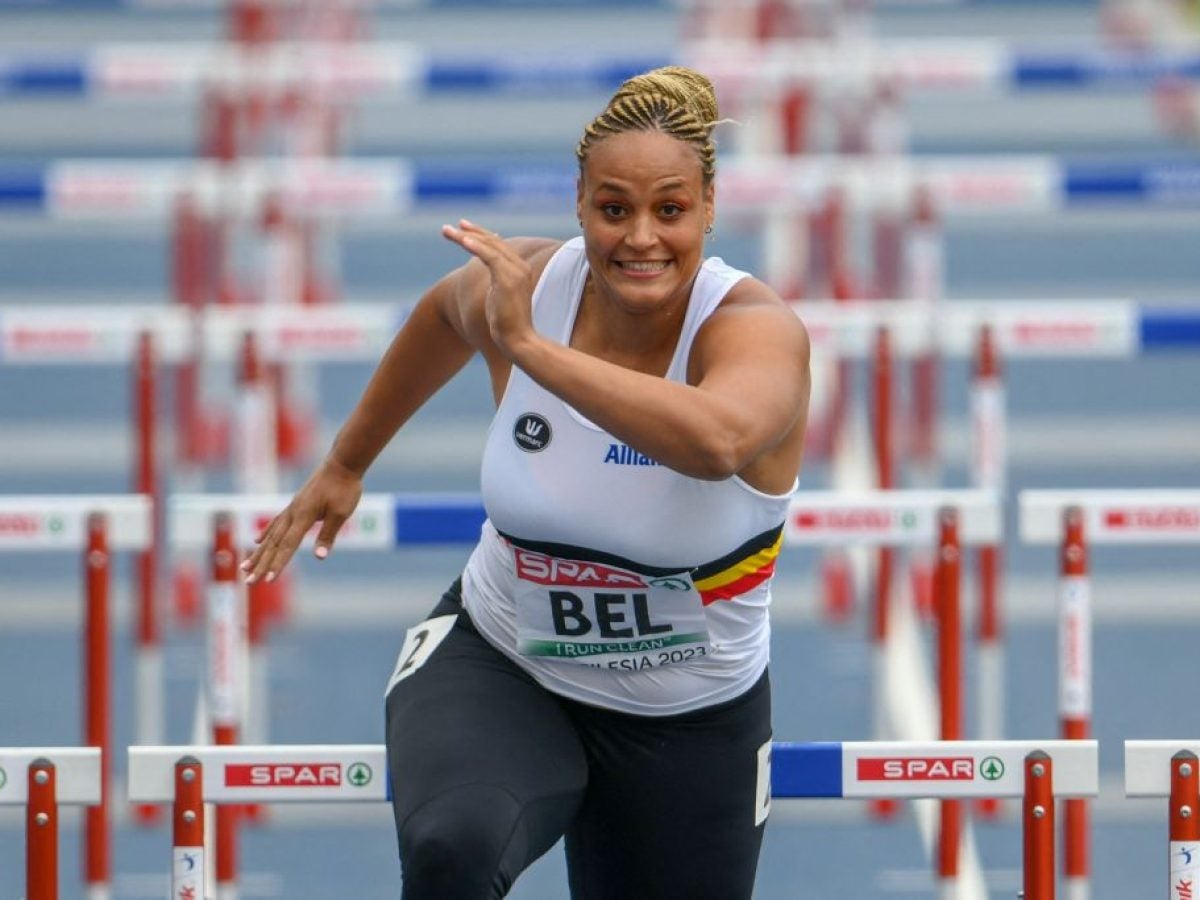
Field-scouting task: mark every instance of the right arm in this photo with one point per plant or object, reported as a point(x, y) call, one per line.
point(446, 328)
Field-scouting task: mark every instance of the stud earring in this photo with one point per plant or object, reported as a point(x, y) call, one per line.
point(708, 229)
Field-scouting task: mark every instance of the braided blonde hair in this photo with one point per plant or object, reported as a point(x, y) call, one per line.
point(675, 100)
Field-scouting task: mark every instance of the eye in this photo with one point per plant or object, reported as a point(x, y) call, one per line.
point(612, 210)
point(671, 210)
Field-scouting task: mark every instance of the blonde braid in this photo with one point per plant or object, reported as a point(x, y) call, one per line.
point(675, 100)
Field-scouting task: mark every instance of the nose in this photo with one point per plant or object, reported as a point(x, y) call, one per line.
point(641, 233)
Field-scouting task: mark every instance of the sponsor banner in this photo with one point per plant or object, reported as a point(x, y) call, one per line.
point(345, 188)
point(1185, 870)
point(187, 873)
point(943, 65)
point(68, 334)
point(1153, 516)
point(154, 71)
point(877, 524)
point(1075, 647)
point(112, 189)
point(893, 517)
point(1131, 522)
point(963, 768)
point(235, 774)
point(226, 649)
point(931, 772)
point(190, 520)
point(36, 522)
point(988, 434)
point(990, 185)
point(300, 778)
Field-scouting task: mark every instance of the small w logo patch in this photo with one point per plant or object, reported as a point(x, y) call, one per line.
point(531, 432)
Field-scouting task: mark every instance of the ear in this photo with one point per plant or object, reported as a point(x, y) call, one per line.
point(710, 205)
point(579, 198)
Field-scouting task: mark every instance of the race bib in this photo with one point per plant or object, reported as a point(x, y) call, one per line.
point(606, 616)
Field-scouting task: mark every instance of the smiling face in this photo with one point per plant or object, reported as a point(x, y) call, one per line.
point(644, 207)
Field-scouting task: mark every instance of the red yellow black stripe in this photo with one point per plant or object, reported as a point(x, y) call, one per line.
point(733, 574)
point(740, 571)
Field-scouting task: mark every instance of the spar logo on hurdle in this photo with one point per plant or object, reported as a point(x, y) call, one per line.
point(917, 768)
point(299, 775)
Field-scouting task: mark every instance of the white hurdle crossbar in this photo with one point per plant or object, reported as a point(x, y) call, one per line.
point(1146, 516)
point(329, 773)
point(41, 779)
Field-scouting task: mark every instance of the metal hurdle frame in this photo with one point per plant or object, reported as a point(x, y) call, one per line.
point(189, 776)
point(41, 779)
point(1165, 768)
point(1073, 520)
point(95, 525)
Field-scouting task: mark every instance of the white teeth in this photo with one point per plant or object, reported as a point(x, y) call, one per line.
point(644, 266)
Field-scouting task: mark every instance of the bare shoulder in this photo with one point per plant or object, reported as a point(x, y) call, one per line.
point(754, 306)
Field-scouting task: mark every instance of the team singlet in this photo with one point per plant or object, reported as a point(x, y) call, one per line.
point(612, 579)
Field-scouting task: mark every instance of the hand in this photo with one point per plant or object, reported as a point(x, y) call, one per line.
point(329, 496)
point(510, 294)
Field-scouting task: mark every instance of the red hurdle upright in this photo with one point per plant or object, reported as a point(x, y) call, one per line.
point(1075, 687)
point(988, 472)
point(41, 832)
point(187, 834)
point(226, 651)
point(1037, 816)
point(97, 688)
point(947, 577)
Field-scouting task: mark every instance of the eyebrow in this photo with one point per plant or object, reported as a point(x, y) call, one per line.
point(672, 185)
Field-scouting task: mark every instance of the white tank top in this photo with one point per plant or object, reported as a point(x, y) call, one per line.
point(611, 579)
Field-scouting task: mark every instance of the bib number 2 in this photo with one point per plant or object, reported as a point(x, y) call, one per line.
point(419, 643)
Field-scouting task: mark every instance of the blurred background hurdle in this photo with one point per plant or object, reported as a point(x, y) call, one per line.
point(95, 527)
point(42, 779)
point(1036, 771)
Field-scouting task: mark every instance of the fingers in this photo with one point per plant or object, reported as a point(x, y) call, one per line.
point(477, 240)
point(328, 534)
point(277, 544)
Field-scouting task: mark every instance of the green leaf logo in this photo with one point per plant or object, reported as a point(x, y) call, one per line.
point(359, 774)
point(991, 768)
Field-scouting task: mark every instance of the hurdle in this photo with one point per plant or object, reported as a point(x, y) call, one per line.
point(97, 525)
point(41, 779)
point(180, 70)
point(189, 776)
point(1165, 768)
point(959, 185)
point(1074, 520)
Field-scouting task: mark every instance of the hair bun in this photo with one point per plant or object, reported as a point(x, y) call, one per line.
point(679, 84)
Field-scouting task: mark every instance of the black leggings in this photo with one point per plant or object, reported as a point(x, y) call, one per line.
point(489, 770)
